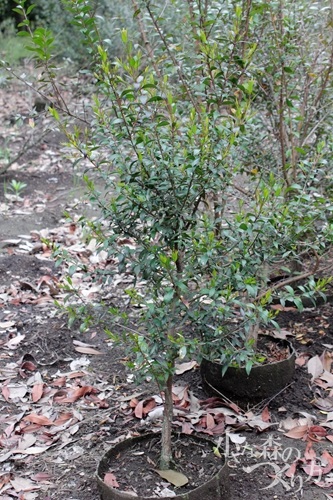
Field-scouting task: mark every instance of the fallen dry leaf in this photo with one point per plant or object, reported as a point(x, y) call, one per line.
point(324, 404)
point(328, 378)
point(29, 366)
point(315, 367)
point(312, 469)
point(259, 424)
point(144, 407)
point(15, 341)
point(219, 429)
point(210, 422)
point(82, 344)
point(72, 395)
point(100, 402)
point(5, 392)
point(194, 403)
point(316, 433)
point(76, 374)
point(138, 412)
point(110, 480)
point(328, 459)
point(216, 402)
point(326, 359)
point(309, 453)
point(16, 390)
point(21, 484)
point(26, 441)
point(292, 470)
point(302, 359)
point(298, 432)
point(184, 367)
point(180, 395)
point(236, 438)
point(40, 477)
point(155, 414)
point(88, 350)
point(279, 307)
point(281, 334)
point(4, 479)
point(38, 419)
point(265, 415)
point(187, 428)
point(176, 478)
point(34, 450)
point(51, 282)
point(59, 382)
point(63, 418)
point(4, 325)
point(37, 390)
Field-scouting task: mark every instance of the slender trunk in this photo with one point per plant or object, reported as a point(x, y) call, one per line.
point(253, 334)
point(166, 454)
point(254, 329)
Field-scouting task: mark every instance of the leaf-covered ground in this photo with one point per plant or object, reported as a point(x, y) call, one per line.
point(66, 396)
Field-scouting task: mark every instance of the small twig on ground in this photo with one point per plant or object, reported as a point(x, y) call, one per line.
point(266, 402)
point(229, 401)
point(263, 403)
point(26, 147)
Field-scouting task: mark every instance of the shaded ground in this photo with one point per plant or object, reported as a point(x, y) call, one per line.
point(71, 461)
point(66, 395)
point(47, 195)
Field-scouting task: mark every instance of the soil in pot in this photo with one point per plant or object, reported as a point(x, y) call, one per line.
point(133, 464)
point(264, 381)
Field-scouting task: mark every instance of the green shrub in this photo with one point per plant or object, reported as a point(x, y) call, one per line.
point(291, 133)
point(168, 117)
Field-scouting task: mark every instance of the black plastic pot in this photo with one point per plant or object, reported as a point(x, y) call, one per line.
point(217, 488)
point(263, 382)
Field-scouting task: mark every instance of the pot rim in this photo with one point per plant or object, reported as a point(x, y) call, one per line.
point(223, 470)
point(292, 352)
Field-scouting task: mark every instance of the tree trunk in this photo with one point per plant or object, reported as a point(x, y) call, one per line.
point(253, 334)
point(166, 454)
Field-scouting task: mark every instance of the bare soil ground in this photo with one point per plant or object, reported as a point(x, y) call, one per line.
point(67, 396)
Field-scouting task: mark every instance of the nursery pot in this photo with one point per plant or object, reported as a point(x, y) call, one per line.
point(264, 380)
point(216, 488)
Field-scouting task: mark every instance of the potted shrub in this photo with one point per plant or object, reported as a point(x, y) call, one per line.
point(165, 123)
point(240, 301)
point(291, 131)
point(165, 119)
point(283, 158)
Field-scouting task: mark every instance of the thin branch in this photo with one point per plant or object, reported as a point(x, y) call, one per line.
point(174, 60)
point(46, 97)
point(26, 147)
point(292, 279)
